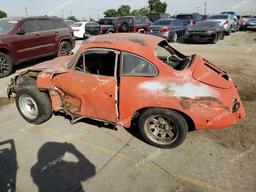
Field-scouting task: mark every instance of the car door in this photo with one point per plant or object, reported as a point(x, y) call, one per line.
point(27, 45)
point(91, 86)
point(135, 72)
point(48, 35)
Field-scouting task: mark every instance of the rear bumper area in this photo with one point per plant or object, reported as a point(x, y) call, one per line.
point(231, 112)
point(201, 37)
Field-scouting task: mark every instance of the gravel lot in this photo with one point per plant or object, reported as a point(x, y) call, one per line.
point(101, 159)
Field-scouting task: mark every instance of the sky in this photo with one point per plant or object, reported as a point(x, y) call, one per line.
point(84, 9)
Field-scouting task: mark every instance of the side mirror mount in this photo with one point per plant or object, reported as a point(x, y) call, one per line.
point(20, 31)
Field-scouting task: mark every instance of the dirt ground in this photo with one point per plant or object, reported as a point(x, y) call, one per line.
point(209, 160)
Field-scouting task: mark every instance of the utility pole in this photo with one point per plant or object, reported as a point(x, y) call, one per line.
point(205, 7)
point(26, 10)
point(71, 14)
point(98, 14)
point(62, 13)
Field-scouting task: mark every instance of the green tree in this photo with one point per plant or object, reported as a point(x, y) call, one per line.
point(73, 18)
point(111, 13)
point(141, 12)
point(124, 10)
point(2, 14)
point(156, 6)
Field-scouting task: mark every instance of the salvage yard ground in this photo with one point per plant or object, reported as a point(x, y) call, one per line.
point(101, 159)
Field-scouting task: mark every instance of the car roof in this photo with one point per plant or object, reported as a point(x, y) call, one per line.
point(130, 42)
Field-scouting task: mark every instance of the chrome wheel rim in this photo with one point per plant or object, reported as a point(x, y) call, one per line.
point(161, 129)
point(28, 107)
point(4, 66)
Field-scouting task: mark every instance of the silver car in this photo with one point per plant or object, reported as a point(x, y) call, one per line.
point(170, 29)
point(226, 20)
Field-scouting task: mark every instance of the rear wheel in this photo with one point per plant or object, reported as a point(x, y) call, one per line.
point(33, 105)
point(65, 49)
point(125, 27)
point(174, 37)
point(163, 128)
point(6, 65)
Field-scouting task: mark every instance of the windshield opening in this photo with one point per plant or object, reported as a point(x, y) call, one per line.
point(6, 25)
point(172, 57)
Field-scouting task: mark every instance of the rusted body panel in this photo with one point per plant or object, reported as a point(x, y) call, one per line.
point(202, 92)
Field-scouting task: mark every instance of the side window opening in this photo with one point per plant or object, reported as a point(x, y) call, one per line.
point(97, 62)
point(136, 66)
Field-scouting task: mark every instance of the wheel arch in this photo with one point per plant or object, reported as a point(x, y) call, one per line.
point(189, 120)
point(7, 51)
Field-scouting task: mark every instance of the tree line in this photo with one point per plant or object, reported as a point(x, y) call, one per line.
point(154, 6)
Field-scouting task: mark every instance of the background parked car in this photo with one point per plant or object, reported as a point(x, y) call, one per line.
point(108, 25)
point(227, 21)
point(190, 19)
point(234, 17)
point(78, 29)
point(206, 31)
point(156, 16)
point(170, 29)
point(91, 28)
point(133, 24)
point(25, 39)
point(250, 24)
point(68, 22)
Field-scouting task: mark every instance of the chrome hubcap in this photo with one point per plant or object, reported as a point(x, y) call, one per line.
point(160, 129)
point(28, 107)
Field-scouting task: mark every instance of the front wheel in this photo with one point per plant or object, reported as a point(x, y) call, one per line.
point(33, 105)
point(6, 65)
point(65, 49)
point(163, 128)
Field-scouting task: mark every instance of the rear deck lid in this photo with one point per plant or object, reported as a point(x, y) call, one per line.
point(210, 74)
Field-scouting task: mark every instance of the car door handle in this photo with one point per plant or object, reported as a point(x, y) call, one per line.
point(56, 31)
point(38, 35)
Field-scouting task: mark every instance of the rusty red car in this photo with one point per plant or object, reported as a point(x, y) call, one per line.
point(125, 79)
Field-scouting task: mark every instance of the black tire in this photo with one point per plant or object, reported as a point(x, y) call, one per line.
point(125, 27)
point(215, 39)
point(40, 101)
point(227, 32)
point(65, 49)
point(174, 37)
point(175, 123)
point(6, 65)
point(222, 36)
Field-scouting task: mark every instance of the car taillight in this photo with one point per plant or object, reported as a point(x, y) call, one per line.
point(226, 22)
point(193, 22)
point(165, 29)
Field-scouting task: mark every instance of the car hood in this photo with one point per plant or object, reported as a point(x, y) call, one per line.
point(57, 65)
point(210, 74)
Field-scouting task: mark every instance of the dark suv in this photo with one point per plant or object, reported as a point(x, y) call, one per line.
point(108, 25)
point(25, 39)
point(190, 19)
point(133, 24)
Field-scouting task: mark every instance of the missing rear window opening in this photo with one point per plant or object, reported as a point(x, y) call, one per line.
point(172, 57)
